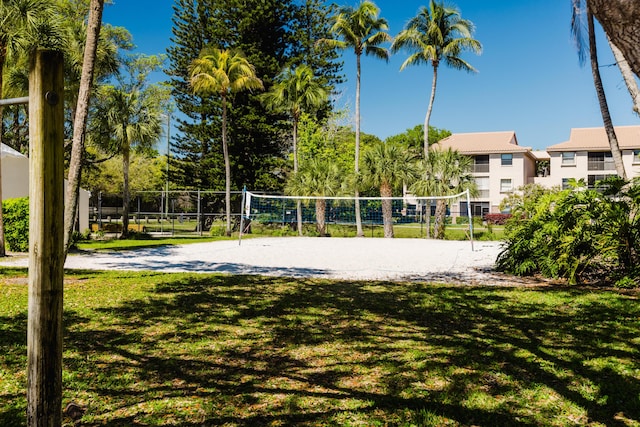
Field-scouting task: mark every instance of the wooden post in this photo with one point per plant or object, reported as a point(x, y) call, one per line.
point(46, 254)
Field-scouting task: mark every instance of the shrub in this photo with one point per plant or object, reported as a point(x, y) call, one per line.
point(581, 235)
point(77, 237)
point(16, 224)
point(218, 228)
point(497, 218)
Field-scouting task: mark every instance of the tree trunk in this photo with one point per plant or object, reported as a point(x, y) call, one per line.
point(80, 121)
point(441, 214)
point(227, 166)
point(321, 209)
point(359, 231)
point(2, 249)
point(427, 117)
point(387, 210)
point(627, 74)
point(295, 170)
point(620, 19)
point(125, 189)
point(602, 99)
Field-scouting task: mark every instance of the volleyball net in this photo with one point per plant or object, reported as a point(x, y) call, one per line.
point(408, 211)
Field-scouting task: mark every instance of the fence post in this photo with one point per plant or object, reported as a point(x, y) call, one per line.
point(46, 251)
point(199, 219)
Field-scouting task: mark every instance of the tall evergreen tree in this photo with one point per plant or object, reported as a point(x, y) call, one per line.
point(312, 22)
point(264, 31)
point(198, 124)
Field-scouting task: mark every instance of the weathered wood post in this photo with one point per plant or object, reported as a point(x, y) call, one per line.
point(46, 254)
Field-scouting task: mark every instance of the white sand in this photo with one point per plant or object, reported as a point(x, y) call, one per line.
point(336, 258)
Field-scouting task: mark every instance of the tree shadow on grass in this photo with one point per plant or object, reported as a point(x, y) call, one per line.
point(240, 350)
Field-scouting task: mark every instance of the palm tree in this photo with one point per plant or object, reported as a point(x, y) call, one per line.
point(362, 30)
point(438, 34)
point(387, 166)
point(444, 172)
point(223, 73)
point(129, 116)
point(296, 91)
point(80, 119)
point(620, 20)
point(18, 22)
point(576, 26)
point(627, 75)
point(319, 177)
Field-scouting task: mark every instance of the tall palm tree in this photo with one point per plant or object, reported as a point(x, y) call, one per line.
point(627, 75)
point(576, 26)
point(363, 31)
point(129, 116)
point(319, 177)
point(438, 34)
point(80, 119)
point(296, 91)
point(387, 166)
point(223, 73)
point(620, 20)
point(444, 172)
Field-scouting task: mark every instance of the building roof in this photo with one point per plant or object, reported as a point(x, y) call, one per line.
point(10, 152)
point(595, 139)
point(483, 143)
point(540, 155)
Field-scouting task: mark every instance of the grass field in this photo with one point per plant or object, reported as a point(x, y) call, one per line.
point(201, 350)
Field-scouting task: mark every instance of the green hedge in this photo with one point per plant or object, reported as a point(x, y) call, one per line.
point(16, 224)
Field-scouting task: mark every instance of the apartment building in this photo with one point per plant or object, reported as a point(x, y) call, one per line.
point(586, 155)
point(500, 165)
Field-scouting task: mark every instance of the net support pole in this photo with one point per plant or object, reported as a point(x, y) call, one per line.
point(46, 251)
point(470, 218)
point(242, 209)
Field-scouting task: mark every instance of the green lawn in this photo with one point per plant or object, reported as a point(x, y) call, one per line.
point(190, 350)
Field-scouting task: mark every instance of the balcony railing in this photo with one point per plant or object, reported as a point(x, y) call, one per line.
point(600, 165)
point(481, 168)
point(483, 194)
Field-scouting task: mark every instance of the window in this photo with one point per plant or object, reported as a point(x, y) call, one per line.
point(505, 185)
point(481, 164)
point(594, 180)
point(478, 209)
point(600, 161)
point(506, 159)
point(636, 157)
point(565, 183)
point(483, 187)
point(569, 158)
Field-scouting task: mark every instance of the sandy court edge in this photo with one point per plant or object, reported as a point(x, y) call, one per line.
point(333, 258)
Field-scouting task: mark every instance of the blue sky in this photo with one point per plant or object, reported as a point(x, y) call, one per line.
point(529, 79)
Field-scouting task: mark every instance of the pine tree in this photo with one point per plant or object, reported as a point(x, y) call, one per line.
point(312, 23)
point(196, 165)
point(268, 34)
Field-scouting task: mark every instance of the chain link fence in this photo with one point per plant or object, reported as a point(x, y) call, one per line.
point(175, 212)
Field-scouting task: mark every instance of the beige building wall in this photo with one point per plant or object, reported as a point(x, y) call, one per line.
point(501, 179)
point(15, 182)
point(631, 162)
point(583, 141)
point(15, 176)
point(504, 179)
